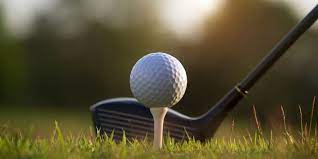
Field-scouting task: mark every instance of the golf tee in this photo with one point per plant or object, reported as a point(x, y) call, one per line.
point(158, 115)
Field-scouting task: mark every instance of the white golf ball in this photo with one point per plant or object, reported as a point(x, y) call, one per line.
point(158, 80)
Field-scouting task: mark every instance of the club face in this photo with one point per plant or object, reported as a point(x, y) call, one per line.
point(126, 115)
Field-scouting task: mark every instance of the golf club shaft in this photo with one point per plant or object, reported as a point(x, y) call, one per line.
point(279, 50)
point(231, 99)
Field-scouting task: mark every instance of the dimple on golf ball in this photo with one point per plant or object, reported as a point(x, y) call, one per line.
point(158, 80)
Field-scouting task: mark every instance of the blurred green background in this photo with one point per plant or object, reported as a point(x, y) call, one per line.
point(58, 57)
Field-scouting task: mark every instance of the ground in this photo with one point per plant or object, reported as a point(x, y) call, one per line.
point(68, 134)
point(17, 145)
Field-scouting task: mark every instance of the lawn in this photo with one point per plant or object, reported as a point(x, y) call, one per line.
point(87, 145)
point(70, 139)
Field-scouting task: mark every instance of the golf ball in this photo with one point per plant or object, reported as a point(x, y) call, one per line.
point(158, 80)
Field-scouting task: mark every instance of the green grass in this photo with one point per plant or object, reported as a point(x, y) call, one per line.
point(238, 142)
point(87, 145)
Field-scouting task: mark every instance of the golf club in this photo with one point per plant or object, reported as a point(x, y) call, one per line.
point(127, 116)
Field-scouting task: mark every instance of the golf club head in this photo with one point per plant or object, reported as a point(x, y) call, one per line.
point(127, 116)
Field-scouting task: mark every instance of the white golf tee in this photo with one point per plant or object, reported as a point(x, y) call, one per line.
point(158, 115)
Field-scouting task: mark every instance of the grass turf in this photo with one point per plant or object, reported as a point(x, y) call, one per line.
point(14, 144)
point(288, 142)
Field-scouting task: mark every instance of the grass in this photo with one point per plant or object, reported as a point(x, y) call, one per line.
point(256, 143)
point(17, 145)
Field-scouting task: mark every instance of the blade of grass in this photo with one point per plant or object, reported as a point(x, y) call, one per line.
point(312, 114)
point(284, 118)
point(301, 124)
point(258, 125)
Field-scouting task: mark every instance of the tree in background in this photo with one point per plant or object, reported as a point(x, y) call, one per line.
point(78, 54)
point(13, 74)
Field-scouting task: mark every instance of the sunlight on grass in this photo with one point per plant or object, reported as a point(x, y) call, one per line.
point(254, 143)
point(88, 145)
